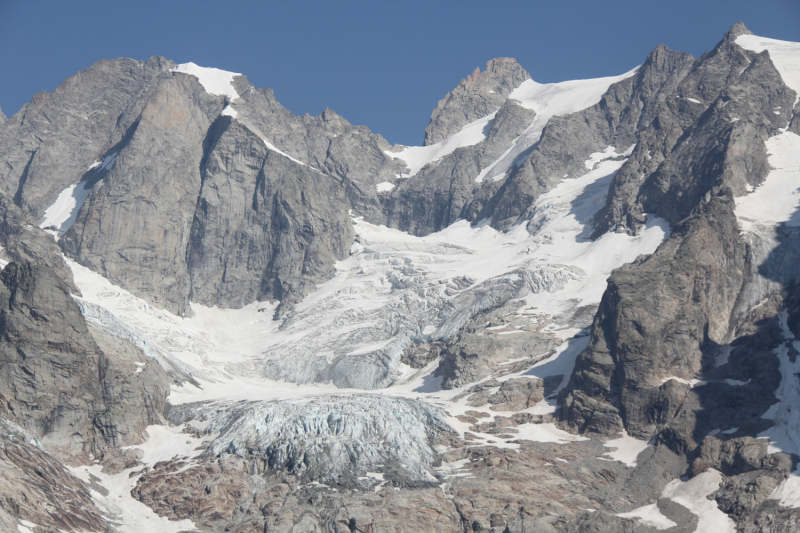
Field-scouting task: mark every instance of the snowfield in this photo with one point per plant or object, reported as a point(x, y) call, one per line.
point(548, 100)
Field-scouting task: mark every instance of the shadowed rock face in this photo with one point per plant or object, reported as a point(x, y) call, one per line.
point(23, 242)
point(77, 396)
point(655, 318)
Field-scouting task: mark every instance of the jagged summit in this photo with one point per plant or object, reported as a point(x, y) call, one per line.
point(476, 96)
point(736, 30)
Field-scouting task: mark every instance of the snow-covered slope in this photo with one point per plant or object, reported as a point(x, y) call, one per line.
point(548, 100)
point(785, 56)
point(396, 289)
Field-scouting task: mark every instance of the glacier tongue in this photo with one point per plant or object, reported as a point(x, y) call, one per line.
point(333, 437)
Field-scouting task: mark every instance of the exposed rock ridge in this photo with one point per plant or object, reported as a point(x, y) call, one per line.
point(567, 141)
point(478, 95)
point(723, 109)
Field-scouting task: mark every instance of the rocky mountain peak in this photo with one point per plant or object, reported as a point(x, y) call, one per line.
point(2, 116)
point(736, 30)
point(477, 95)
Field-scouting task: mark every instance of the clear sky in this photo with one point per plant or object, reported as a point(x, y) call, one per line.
point(378, 63)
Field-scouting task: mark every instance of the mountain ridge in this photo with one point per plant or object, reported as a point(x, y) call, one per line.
point(572, 309)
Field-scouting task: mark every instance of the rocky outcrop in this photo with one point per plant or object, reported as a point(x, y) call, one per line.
point(159, 150)
point(488, 342)
point(38, 490)
point(3, 118)
point(496, 490)
point(78, 397)
point(656, 321)
point(23, 242)
point(710, 132)
point(478, 95)
point(665, 320)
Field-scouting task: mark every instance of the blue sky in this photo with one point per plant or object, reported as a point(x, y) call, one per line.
point(382, 64)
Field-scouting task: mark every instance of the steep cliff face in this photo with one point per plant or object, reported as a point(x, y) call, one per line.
point(77, 397)
point(49, 144)
point(265, 227)
point(657, 318)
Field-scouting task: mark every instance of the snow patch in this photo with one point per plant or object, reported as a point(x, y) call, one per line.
point(128, 514)
point(627, 449)
point(213, 80)
point(692, 495)
point(229, 111)
point(384, 186)
point(61, 215)
point(284, 154)
point(650, 515)
point(416, 157)
point(777, 200)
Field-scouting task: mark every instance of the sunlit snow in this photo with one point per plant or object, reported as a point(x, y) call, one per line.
point(548, 100)
point(785, 56)
point(777, 199)
point(417, 157)
point(213, 80)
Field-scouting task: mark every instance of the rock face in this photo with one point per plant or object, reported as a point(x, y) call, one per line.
point(653, 324)
point(478, 95)
point(159, 220)
point(51, 141)
point(445, 191)
point(291, 212)
point(484, 346)
point(80, 398)
point(23, 242)
point(38, 489)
